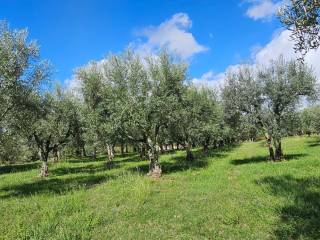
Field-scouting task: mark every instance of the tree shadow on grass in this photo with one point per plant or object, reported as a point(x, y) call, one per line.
point(18, 167)
point(259, 159)
point(128, 159)
point(53, 186)
point(90, 169)
point(300, 217)
point(87, 159)
point(179, 163)
point(171, 167)
point(314, 143)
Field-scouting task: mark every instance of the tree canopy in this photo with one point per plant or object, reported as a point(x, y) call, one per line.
point(302, 18)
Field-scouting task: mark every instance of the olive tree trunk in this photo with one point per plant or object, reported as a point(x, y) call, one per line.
point(278, 150)
point(154, 167)
point(122, 149)
point(142, 151)
point(83, 152)
point(205, 149)
point(161, 149)
point(94, 152)
point(270, 148)
point(110, 153)
point(189, 156)
point(44, 172)
point(275, 148)
point(56, 155)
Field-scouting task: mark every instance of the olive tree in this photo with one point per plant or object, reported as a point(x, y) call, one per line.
point(78, 130)
point(21, 74)
point(310, 120)
point(101, 98)
point(197, 121)
point(269, 95)
point(51, 125)
point(147, 92)
point(91, 79)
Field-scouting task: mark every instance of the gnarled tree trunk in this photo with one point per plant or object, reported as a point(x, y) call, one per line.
point(44, 169)
point(270, 147)
point(122, 149)
point(206, 145)
point(110, 155)
point(44, 158)
point(161, 149)
point(43, 151)
point(56, 155)
point(142, 151)
point(154, 167)
point(94, 152)
point(205, 149)
point(189, 156)
point(278, 150)
point(84, 154)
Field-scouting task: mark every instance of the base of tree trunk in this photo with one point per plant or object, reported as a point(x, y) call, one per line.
point(161, 149)
point(109, 164)
point(83, 152)
point(154, 170)
point(56, 157)
point(189, 156)
point(205, 150)
point(142, 152)
point(279, 155)
point(44, 170)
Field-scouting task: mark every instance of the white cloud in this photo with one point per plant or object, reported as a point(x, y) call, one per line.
point(263, 9)
point(73, 87)
point(173, 35)
point(281, 44)
point(209, 79)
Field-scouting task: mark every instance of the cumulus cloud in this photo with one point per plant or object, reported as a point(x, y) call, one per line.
point(209, 79)
point(281, 44)
point(263, 9)
point(173, 35)
point(73, 87)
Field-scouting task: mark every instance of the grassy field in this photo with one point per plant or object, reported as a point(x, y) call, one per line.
point(232, 194)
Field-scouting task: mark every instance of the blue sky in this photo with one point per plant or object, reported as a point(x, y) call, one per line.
point(210, 35)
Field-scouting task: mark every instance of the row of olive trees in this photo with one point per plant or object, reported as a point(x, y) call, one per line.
point(146, 103)
point(142, 102)
point(32, 119)
point(310, 120)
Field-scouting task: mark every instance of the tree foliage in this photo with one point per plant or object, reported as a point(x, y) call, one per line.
point(302, 18)
point(269, 96)
point(145, 102)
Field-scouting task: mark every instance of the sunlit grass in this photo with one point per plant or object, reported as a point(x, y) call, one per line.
point(232, 194)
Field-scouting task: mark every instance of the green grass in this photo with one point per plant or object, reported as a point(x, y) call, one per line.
point(232, 194)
